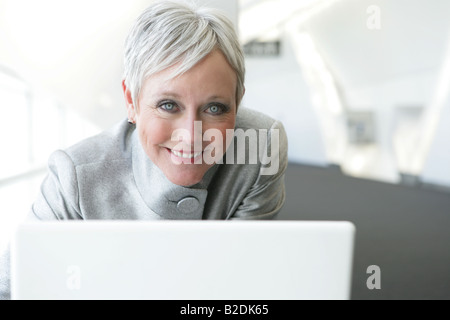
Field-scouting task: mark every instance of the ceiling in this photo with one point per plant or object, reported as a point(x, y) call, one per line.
point(73, 49)
point(413, 37)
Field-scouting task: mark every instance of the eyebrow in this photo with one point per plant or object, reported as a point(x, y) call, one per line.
point(170, 95)
point(176, 96)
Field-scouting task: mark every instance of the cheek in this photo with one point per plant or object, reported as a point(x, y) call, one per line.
point(154, 133)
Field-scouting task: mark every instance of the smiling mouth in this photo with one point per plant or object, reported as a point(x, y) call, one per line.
point(183, 155)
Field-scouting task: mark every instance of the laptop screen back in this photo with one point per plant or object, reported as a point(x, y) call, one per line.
point(174, 260)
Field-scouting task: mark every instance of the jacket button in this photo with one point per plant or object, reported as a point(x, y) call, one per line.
point(188, 205)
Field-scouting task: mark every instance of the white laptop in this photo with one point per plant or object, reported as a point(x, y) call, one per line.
point(182, 260)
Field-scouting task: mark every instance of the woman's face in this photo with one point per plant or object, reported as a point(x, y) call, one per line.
point(172, 116)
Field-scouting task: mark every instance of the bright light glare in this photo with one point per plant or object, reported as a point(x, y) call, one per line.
point(323, 92)
point(432, 118)
point(313, 64)
point(45, 32)
point(258, 18)
point(13, 135)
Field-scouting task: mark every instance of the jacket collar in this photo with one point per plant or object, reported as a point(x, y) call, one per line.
point(164, 198)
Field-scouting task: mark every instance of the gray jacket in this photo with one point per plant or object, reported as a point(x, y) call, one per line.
point(109, 176)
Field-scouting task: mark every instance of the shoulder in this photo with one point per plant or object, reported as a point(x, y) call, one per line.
point(88, 165)
point(248, 120)
point(252, 119)
point(113, 144)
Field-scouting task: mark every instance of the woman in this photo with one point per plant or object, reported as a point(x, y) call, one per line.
point(183, 83)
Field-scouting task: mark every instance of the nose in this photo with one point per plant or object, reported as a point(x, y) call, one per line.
point(192, 127)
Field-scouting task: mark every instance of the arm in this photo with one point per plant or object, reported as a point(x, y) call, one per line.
point(267, 196)
point(58, 198)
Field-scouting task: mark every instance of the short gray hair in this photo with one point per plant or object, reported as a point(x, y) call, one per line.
point(171, 32)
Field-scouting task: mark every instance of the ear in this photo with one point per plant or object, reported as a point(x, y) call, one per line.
point(131, 110)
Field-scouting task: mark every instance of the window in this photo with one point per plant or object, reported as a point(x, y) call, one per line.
point(33, 125)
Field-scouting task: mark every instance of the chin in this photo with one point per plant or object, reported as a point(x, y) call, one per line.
point(185, 178)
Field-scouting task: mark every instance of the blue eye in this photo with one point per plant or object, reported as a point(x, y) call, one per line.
point(168, 106)
point(217, 109)
point(214, 109)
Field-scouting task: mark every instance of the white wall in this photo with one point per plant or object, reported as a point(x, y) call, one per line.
point(386, 70)
point(276, 86)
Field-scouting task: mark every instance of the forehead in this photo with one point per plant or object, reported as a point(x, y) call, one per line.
point(213, 75)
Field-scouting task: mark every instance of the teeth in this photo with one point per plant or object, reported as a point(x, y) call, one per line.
point(186, 155)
